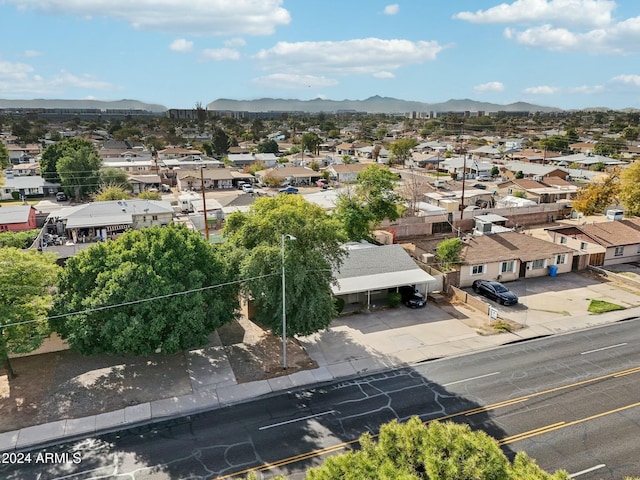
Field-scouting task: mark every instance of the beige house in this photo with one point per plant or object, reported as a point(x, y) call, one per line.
point(511, 256)
point(606, 243)
point(347, 173)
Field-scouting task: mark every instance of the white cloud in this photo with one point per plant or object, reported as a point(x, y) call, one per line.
point(219, 54)
point(366, 56)
point(293, 81)
point(198, 17)
point(489, 87)
point(235, 42)
point(19, 79)
point(587, 89)
point(627, 80)
point(591, 13)
point(384, 74)
point(391, 9)
point(181, 45)
point(31, 53)
point(542, 90)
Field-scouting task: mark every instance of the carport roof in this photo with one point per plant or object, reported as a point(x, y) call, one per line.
point(377, 268)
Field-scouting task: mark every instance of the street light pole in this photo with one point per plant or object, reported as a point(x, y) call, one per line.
point(204, 204)
point(284, 302)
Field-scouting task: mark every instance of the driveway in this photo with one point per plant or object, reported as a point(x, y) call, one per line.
point(568, 295)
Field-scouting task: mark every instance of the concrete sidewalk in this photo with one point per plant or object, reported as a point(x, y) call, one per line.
point(346, 349)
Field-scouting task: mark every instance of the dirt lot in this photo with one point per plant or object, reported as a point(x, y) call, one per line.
point(61, 385)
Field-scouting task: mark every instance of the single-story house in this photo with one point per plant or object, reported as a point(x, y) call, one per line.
point(509, 256)
point(214, 178)
point(140, 183)
point(27, 186)
point(25, 169)
point(240, 160)
point(607, 243)
point(102, 220)
point(347, 173)
point(17, 218)
point(532, 170)
point(370, 272)
point(291, 175)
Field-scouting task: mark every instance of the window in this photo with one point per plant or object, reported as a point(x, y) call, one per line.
point(563, 240)
point(154, 217)
point(508, 267)
point(619, 251)
point(477, 270)
point(536, 264)
point(583, 245)
point(510, 191)
point(561, 259)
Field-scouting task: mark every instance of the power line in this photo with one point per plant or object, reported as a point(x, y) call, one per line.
point(135, 302)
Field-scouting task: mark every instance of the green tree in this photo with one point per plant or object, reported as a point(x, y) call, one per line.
point(220, 142)
point(519, 175)
point(268, 146)
point(608, 147)
point(355, 218)
point(4, 156)
point(18, 239)
point(630, 188)
point(112, 192)
point(495, 171)
point(149, 195)
point(152, 263)
point(401, 149)
point(53, 153)
point(27, 278)
point(448, 252)
point(375, 186)
point(630, 133)
point(254, 242)
point(555, 143)
point(596, 196)
point(114, 177)
point(310, 142)
point(438, 451)
point(79, 171)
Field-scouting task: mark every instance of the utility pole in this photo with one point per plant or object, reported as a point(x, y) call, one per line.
point(204, 203)
point(464, 174)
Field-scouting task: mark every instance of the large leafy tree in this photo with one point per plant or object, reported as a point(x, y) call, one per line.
point(268, 146)
point(376, 186)
point(401, 149)
point(254, 242)
point(219, 142)
point(53, 153)
point(630, 188)
point(79, 171)
point(355, 217)
point(439, 451)
point(26, 281)
point(4, 156)
point(112, 192)
point(310, 142)
point(448, 252)
point(152, 263)
point(596, 196)
point(110, 177)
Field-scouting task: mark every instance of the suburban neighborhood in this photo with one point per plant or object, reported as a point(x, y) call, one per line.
point(412, 242)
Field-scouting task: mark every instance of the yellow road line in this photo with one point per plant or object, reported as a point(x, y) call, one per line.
point(474, 411)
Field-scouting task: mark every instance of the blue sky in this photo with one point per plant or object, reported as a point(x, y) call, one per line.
point(561, 53)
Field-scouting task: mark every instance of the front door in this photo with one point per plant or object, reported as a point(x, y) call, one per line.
point(523, 270)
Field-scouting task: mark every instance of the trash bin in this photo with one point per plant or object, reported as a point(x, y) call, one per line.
point(553, 270)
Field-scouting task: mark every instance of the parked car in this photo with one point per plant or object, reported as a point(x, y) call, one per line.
point(288, 190)
point(61, 197)
point(411, 297)
point(495, 291)
point(247, 188)
point(480, 186)
point(484, 178)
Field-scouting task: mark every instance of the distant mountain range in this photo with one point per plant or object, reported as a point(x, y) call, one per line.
point(99, 104)
point(374, 104)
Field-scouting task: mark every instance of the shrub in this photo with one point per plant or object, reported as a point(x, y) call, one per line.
point(339, 303)
point(394, 299)
point(15, 195)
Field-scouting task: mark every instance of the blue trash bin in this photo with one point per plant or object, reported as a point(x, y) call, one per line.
point(553, 270)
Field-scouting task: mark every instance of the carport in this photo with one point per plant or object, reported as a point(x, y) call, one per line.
point(370, 271)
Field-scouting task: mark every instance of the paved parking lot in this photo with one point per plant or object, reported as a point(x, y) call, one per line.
point(567, 295)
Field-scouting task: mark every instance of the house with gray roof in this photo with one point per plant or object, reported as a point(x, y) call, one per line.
point(27, 186)
point(370, 272)
point(17, 218)
point(102, 220)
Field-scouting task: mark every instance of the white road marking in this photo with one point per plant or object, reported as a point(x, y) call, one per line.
point(297, 420)
point(588, 470)
point(472, 378)
point(603, 348)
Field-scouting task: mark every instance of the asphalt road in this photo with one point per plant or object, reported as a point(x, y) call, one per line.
point(570, 401)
